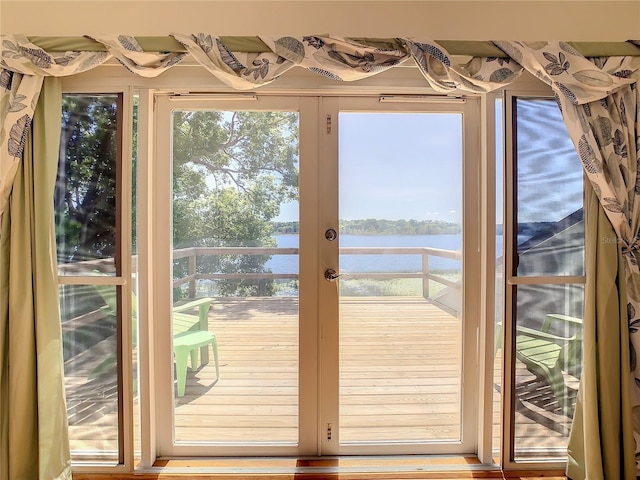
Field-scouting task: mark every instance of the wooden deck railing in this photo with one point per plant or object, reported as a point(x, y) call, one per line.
point(424, 274)
point(192, 254)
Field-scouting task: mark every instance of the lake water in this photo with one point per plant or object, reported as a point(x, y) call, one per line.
point(376, 263)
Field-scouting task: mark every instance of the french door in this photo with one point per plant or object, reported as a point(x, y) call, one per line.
point(315, 262)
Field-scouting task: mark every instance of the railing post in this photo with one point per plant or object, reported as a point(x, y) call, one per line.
point(425, 275)
point(192, 272)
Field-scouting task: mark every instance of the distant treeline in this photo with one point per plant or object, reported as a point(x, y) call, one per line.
point(377, 226)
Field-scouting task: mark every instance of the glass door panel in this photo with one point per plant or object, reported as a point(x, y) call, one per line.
point(88, 200)
point(377, 361)
point(234, 321)
point(546, 279)
point(400, 295)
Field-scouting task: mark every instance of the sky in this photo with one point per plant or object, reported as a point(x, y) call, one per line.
point(409, 166)
point(550, 174)
point(398, 166)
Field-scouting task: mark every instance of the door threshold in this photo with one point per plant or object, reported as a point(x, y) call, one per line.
point(341, 467)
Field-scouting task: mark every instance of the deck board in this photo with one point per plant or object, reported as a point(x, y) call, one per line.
point(400, 359)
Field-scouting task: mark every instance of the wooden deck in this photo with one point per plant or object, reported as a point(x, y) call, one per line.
point(400, 363)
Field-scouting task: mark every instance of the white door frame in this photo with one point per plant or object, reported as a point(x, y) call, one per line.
point(472, 215)
point(163, 358)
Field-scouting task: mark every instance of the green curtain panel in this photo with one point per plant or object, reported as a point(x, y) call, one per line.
point(34, 433)
point(601, 444)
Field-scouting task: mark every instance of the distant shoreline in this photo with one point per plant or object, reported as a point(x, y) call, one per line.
point(382, 227)
point(376, 226)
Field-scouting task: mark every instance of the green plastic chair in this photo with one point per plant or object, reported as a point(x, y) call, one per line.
point(187, 344)
point(547, 355)
point(190, 335)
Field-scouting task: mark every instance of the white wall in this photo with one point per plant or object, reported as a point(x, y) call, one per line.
point(574, 20)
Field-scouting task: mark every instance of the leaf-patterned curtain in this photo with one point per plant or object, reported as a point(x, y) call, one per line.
point(24, 65)
point(480, 74)
point(345, 59)
point(600, 103)
point(18, 98)
point(33, 437)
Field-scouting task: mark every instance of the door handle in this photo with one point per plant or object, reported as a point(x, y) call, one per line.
point(330, 275)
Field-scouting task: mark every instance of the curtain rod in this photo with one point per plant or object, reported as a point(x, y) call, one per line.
point(254, 44)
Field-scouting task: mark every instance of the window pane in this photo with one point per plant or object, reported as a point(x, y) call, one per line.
point(135, 278)
point(235, 253)
point(85, 195)
point(550, 228)
point(548, 364)
point(547, 318)
point(401, 325)
point(90, 363)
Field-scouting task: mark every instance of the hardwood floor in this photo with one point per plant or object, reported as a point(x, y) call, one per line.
point(400, 363)
point(340, 468)
point(315, 476)
point(387, 467)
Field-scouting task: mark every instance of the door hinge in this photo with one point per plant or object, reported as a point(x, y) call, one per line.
point(328, 432)
point(328, 123)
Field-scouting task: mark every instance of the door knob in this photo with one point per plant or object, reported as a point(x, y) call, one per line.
point(330, 275)
point(330, 234)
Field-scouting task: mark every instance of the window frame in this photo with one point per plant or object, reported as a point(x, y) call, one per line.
point(121, 280)
point(469, 111)
point(511, 280)
point(112, 79)
point(306, 107)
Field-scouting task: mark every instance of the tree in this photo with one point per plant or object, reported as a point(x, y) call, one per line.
point(232, 171)
point(85, 195)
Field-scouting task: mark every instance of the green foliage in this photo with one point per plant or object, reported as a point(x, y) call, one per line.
point(380, 288)
point(85, 195)
point(232, 171)
point(401, 287)
point(286, 228)
point(377, 226)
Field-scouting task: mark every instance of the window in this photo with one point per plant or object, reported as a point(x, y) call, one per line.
point(234, 172)
point(89, 233)
point(544, 267)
